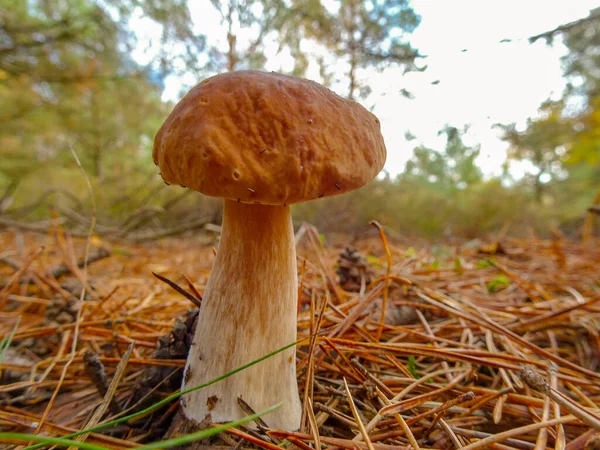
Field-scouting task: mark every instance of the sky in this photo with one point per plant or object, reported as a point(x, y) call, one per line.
point(482, 81)
point(491, 82)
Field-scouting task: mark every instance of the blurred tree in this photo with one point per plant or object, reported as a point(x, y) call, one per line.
point(582, 38)
point(371, 33)
point(582, 68)
point(542, 144)
point(240, 16)
point(358, 33)
point(66, 77)
point(427, 165)
point(581, 99)
point(461, 158)
point(565, 139)
point(253, 25)
point(454, 168)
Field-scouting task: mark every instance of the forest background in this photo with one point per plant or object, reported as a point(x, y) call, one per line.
point(69, 85)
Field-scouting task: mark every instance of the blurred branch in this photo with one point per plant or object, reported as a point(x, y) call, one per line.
point(43, 25)
point(80, 78)
point(28, 209)
point(143, 215)
point(64, 269)
point(129, 228)
point(38, 227)
point(82, 220)
point(549, 35)
point(128, 196)
point(19, 114)
point(407, 57)
point(6, 198)
point(64, 36)
point(192, 225)
point(265, 27)
point(594, 209)
point(67, 29)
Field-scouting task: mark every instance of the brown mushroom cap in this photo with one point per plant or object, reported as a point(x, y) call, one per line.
point(268, 138)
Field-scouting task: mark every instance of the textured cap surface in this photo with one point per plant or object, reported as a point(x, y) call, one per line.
point(268, 138)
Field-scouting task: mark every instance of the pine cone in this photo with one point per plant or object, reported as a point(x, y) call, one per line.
point(173, 345)
point(352, 268)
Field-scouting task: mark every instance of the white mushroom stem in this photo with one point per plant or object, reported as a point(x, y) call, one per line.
point(248, 310)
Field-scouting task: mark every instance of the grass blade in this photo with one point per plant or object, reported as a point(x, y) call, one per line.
point(5, 342)
point(180, 440)
point(63, 442)
point(202, 434)
point(169, 398)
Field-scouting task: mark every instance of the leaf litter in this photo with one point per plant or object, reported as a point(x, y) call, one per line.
point(462, 345)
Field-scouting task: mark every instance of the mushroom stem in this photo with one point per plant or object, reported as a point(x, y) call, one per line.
point(248, 310)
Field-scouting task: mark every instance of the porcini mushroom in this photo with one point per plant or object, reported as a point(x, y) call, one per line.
point(261, 141)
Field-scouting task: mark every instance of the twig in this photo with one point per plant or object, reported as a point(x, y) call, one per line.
point(192, 225)
point(63, 269)
point(195, 300)
point(361, 426)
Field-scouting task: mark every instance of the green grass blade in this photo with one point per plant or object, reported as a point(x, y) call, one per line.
point(5, 342)
point(179, 440)
point(169, 398)
point(203, 434)
point(64, 442)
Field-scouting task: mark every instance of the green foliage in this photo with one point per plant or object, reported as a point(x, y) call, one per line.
point(582, 61)
point(484, 264)
point(458, 264)
point(499, 283)
point(419, 208)
point(454, 168)
point(6, 341)
point(411, 366)
point(543, 144)
point(67, 80)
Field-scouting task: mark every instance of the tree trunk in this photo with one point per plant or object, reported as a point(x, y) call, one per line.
point(231, 41)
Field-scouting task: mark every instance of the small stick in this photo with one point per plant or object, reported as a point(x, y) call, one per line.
point(192, 287)
point(361, 425)
point(468, 396)
point(388, 255)
point(535, 381)
point(196, 301)
point(505, 435)
point(250, 411)
point(314, 427)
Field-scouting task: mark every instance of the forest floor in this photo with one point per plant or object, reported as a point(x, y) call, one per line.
point(482, 344)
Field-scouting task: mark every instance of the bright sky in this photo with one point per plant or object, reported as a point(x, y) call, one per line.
point(491, 82)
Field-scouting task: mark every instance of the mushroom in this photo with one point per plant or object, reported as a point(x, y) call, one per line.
point(262, 141)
